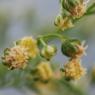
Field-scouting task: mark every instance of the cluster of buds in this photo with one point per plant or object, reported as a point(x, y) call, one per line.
point(18, 56)
point(70, 11)
point(73, 70)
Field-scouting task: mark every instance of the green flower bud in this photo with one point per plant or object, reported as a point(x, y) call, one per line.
point(76, 8)
point(48, 52)
point(66, 4)
point(72, 48)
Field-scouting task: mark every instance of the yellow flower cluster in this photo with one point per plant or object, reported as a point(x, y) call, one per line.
point(70, 11)
point(15, 57)
point(31, 45)
point(18, 56)
point(44, 71)
point(73, 70)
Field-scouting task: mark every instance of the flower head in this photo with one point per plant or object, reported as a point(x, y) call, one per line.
point(30, 44)
point(73, 70)
point(78, 11)
point(15, 57)
point(76, 8)
point(63, 23)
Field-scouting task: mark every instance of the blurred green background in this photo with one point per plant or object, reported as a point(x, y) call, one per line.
point(19, 18)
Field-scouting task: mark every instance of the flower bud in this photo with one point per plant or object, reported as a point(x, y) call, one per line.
point(63, 23)
point(48, 52)
point(73, 48)
point(76, 8)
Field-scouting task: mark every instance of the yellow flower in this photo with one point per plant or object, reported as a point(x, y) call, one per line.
point(73, 70)
point(31, 45)
point(63, 23)
point(44, 70)
point(15, 57)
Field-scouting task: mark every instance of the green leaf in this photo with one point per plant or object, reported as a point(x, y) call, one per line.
point(91, 7)
point(91, 10)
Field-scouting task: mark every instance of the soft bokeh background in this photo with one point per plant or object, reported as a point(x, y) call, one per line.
point(19, 18)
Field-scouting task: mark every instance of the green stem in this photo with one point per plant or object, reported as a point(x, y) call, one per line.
point(42, 41)
point(48, 36)
point(72, 88)
point(59, 36)
point(53, 35)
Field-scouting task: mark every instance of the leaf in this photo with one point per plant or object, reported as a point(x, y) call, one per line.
point(91, 10)
point(91, 7)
